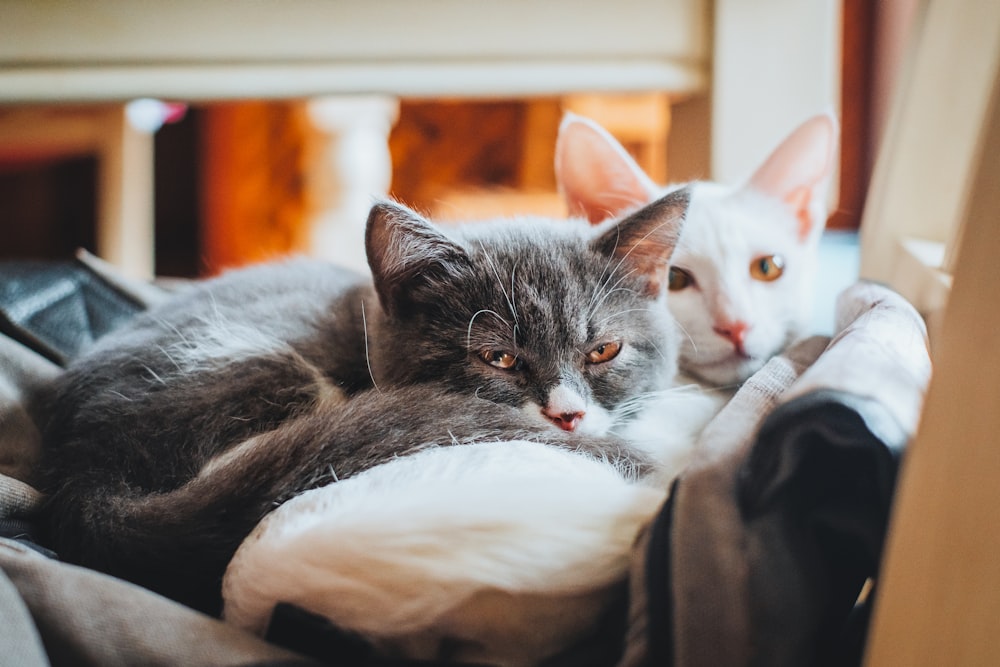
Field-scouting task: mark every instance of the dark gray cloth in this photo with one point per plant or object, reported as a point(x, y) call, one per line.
point(60, 614)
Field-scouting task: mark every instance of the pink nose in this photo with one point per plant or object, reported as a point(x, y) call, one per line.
point(735, 332)
point(567, 421)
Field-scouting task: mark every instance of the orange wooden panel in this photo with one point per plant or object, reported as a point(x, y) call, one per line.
point(253, 198)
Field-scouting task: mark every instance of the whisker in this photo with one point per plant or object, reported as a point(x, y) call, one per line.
point(690, 338)
point(513, 304)
point(510, 304)
point(368, 360)
point(638, 402)
point(513, 300)
point(605, 274)
point(655, 347)
point(468, 333)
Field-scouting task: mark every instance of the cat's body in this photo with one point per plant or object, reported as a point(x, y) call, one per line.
point(171, 438)
point(742, 275)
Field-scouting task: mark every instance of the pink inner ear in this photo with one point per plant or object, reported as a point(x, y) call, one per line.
point(799, 201)
point(803, 159)
point(596, 175)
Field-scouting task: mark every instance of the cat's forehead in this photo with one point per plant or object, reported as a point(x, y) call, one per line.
point(538, 249)
point(545, 270)
point(725, 222)
point(520, 232)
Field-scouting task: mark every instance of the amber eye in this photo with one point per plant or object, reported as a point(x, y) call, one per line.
point(500, 359)
point(604, 352)
point(679, 279)
point(767, 268)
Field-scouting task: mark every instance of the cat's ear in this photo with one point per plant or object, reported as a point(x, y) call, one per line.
point(596, 175)
point(799, 171)
point(643, 241)
point(406, 252)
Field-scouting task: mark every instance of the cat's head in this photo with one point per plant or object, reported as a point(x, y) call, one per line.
point(566, 320)
point(741, 278)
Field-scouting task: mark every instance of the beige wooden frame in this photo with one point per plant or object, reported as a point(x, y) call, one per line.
point(939, 596)
point(913, 217)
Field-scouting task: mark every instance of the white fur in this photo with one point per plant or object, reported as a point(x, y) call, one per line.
point(508, 550)
point(669, 425)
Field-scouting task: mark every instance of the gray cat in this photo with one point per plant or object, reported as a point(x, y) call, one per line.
point(171, 438)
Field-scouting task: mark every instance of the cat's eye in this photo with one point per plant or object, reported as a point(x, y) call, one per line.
point(500, 359)
point(604, 352)
point(767, 268)
point(678, 279)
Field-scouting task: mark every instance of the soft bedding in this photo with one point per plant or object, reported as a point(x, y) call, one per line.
point(519, 554)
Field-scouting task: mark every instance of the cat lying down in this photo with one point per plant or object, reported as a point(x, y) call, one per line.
point(170, 438)
point(514, 550)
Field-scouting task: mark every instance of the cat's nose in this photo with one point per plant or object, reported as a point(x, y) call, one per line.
point(567, 421)
point(735, 332)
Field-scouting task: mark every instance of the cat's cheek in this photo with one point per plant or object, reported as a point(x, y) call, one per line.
point(597, 422)
point(498, 392)
point(532, 414)
point(640, 368)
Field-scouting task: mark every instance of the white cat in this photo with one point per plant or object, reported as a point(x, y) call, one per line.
point(742, 276)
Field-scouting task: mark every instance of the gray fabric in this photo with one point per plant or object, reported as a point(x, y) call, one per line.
point(18, 500)
point(707, 517)
point(20, 642)
point(86, 618)
point(715, 587)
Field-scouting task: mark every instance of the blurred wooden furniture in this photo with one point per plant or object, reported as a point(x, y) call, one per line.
point(913, 222)
point(937, 185)
point(124, 155)
point(226, 49)
point(641, 121)
point(61, 51)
